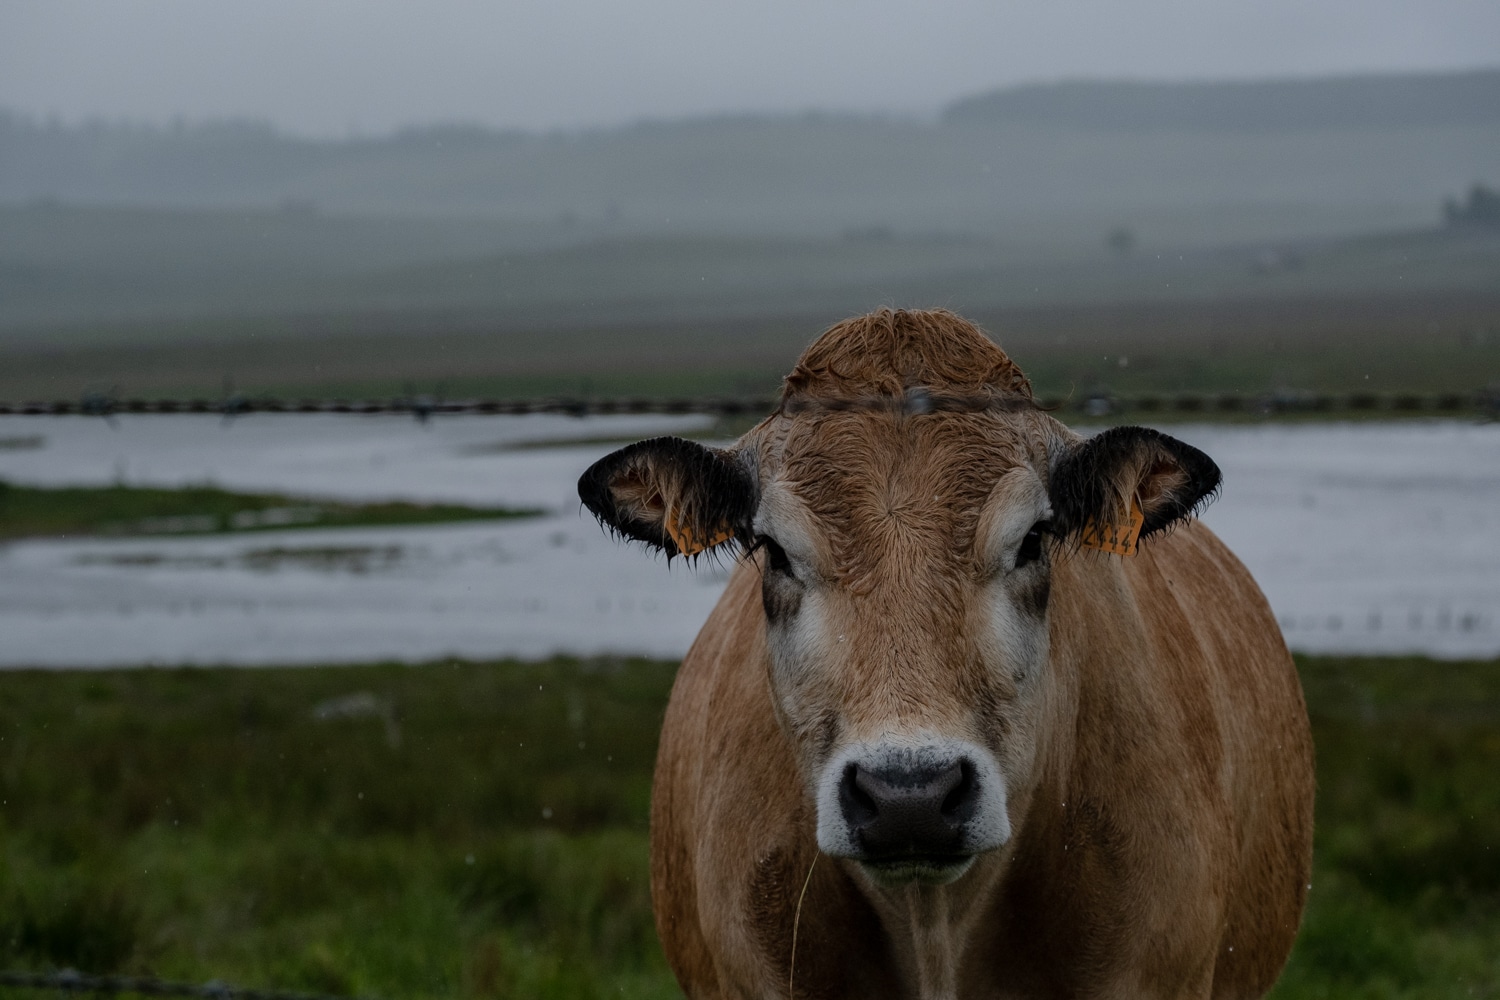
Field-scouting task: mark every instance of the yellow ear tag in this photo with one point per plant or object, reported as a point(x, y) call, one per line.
point(1121, 539)
point(687, 543)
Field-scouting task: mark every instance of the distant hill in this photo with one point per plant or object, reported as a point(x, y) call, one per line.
point(1349, 102)
point(1371, 151)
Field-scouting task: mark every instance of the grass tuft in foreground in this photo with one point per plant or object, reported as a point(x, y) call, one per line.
point(479, 830)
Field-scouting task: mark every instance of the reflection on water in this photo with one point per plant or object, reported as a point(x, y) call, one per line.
point(1367, 538)
point(330, 558)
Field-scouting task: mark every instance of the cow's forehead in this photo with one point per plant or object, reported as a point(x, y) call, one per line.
point(872, 482)
point(969, 448)
point(894, 427)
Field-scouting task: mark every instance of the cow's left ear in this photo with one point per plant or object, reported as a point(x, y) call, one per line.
point(1127, 480)
point(673, 494)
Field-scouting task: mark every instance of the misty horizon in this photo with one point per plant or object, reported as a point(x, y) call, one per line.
point(937, 113)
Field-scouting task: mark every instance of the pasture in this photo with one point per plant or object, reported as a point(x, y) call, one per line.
point(364, 706)
point(151, 303)
point(479, 829)
point(1425, 343)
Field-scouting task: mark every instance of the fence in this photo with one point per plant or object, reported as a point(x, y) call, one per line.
point(68, 983)
point(1408, 620)
point(1484, 402)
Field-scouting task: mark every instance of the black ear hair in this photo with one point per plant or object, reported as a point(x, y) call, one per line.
point(1099, 480)
point(677, 495)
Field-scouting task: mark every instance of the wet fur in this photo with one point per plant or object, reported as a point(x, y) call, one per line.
point(1161, 767)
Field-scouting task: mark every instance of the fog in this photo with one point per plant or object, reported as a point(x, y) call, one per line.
point(340, 67)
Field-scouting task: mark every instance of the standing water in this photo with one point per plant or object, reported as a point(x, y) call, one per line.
point(1367, 538)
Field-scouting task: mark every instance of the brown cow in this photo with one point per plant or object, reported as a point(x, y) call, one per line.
point(948, 733)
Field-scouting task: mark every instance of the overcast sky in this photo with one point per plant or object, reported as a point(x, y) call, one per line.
point(342, 66)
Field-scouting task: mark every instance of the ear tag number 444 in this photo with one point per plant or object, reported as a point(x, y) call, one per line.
point(1120, 539)
point(688, 543)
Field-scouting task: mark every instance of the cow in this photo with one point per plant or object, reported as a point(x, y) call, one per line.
point(983, 711)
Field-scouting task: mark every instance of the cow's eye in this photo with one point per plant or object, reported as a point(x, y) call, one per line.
point(776, 558)
point(1031, 545)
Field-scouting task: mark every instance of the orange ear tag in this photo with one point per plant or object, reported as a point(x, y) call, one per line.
point(687, 543)
point(1120, 539)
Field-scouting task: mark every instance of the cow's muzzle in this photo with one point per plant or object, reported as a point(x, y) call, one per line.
point(913, 814)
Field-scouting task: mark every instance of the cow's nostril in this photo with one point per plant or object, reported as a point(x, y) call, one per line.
point(857, 805)
point(959, 804)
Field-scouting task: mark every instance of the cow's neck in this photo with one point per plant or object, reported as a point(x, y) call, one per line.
point(928, 928)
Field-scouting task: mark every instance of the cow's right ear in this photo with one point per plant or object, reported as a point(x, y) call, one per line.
point(677, 495)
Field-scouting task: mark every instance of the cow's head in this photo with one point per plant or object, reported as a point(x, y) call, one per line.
point(906, 508)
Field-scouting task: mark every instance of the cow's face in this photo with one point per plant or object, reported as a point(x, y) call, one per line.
point(906, 563)
point(905, 576)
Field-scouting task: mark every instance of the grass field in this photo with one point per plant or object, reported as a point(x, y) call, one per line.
point(1422, 343)
point(479, 829)
point(37, 511)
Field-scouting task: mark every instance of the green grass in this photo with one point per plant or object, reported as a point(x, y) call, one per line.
point(479, 829)
point(36, 511)
point(1406, 887)
point(465, 829)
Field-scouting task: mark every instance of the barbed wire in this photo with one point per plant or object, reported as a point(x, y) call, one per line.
point(96, 406)
point(1424, 620)
point(1097, 404)
point(70, 982)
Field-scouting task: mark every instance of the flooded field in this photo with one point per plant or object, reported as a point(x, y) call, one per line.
point(1369, 538)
